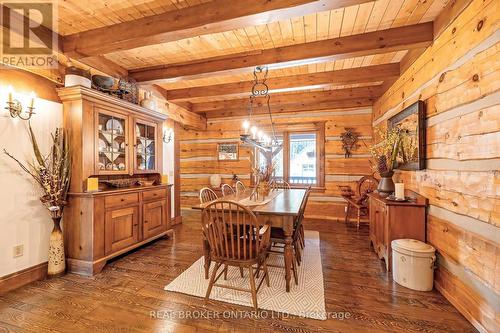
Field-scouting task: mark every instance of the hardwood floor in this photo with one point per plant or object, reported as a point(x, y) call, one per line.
point(123, 296)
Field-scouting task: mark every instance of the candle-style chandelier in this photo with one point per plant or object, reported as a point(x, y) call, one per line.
point(253, 135)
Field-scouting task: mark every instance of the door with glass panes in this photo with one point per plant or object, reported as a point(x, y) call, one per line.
point(111, 143)
point(145, 146)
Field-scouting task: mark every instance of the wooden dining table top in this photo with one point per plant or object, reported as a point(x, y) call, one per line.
point(286, 202)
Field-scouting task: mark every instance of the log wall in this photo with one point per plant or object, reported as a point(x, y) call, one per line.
point(198, 155)
point(457, 77)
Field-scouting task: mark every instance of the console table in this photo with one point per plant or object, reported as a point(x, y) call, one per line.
point(391, 220)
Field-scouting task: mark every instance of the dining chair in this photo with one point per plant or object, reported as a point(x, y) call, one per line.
point(283, 185)
point(227, 190)
point(298, 240)
point(240, 187)
point(221, 225)
point(207, 194)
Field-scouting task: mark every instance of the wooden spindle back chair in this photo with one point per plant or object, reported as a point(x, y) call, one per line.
point(235, 238)
point(240, 187)
point(283, 185)
point(207, 195)
point(227, 190)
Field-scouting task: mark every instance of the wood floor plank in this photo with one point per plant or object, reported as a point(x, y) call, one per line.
point(128, 294)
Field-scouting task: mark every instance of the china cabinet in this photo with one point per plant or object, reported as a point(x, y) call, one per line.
point(119, 143)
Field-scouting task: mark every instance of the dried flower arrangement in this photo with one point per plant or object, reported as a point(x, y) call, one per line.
point(264, 177)
point(52, 174)
point(391, 146)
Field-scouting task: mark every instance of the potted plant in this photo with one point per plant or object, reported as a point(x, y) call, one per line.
point(385, 154)
point(52, 175)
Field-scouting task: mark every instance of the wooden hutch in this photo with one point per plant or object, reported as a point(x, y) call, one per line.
point(114, 141)
point(390, 220)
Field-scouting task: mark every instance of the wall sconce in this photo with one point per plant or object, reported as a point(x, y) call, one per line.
point(15, 107)
point(167, 134)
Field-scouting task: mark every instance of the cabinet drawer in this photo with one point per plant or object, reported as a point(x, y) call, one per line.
point(155, 194)
point(121, 200)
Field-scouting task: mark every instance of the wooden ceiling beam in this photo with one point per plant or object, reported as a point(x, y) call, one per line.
point(289, 108)
point(304, 99)
point(99, 63)
point(211, 17)
point(376, 42)
point(180, 113)
point(294, 82)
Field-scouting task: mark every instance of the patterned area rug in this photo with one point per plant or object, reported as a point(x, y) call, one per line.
point(307, 299)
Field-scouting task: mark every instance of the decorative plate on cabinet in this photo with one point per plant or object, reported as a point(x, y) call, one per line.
point(114, 124)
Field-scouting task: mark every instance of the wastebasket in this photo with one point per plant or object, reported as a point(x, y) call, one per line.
point(413, 264)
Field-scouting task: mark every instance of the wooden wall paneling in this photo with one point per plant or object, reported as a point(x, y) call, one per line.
point(456, 77)
point(463, 29)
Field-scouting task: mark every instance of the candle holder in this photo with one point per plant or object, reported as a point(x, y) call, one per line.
point(15, 109)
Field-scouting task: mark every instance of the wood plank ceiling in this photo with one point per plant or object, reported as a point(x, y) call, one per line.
point(201, 53)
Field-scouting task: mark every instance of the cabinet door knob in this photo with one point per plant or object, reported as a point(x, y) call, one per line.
point(122, 199)
point(146, 221)
point(135, 225)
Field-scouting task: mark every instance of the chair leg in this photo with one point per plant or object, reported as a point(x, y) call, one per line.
point(294, 268)
point(359, 217)
point(302, 236)
point(241, 271)
point(298, 254)
point(266, 272)
point(252, 287)
point(347, 208)
point(212, 281)
point(225, 272)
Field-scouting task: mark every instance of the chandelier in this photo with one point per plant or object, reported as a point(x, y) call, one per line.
point(253, 135)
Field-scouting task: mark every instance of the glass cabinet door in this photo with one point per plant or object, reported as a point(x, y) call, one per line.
point(112, 143)
point(145, 146)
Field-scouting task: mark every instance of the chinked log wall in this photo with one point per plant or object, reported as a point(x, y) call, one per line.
point(198, 155)
point(457, 77)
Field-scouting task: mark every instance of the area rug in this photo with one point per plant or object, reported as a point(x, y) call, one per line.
point(307, 299)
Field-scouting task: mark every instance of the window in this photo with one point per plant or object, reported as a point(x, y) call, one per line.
point(299, 161)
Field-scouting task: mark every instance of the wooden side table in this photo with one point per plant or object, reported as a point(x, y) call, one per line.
point(391, 220)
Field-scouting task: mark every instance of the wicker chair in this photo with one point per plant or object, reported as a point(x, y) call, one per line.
point(221, 225)
point(227, 190)
point(207, 195)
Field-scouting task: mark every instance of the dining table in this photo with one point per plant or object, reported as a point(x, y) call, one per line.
point(280, 209)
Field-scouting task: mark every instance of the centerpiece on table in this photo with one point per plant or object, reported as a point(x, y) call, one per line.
point(385, 154)
point(264, 178)
point(52, 175)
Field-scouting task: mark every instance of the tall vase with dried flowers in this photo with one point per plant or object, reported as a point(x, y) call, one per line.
point(52, 174)
point(264, 177)
point(385, 154)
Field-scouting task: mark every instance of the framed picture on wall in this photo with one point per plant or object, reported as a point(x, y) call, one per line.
point(412, 121)
point(227, 151)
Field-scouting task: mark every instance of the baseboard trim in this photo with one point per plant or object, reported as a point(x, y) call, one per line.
point(176, 220)
point(23, 277)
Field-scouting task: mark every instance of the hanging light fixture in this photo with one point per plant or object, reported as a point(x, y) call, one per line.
point(252, 134)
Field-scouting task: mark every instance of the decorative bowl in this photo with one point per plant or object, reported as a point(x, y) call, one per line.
point(103, 82)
